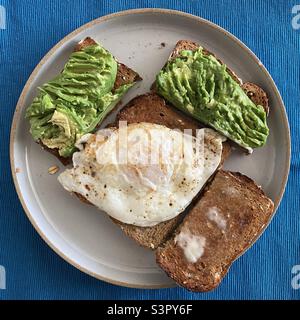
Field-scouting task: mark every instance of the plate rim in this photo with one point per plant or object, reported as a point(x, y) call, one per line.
point(19, 106)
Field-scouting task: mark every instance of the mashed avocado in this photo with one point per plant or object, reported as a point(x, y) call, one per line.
point(76, 101)
point(200, 86)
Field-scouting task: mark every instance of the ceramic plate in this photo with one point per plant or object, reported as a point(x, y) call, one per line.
point(142, 39)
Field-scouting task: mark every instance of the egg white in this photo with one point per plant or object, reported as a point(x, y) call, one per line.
point(142, 174)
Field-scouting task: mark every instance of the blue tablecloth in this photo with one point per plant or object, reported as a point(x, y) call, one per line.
point(33, 270)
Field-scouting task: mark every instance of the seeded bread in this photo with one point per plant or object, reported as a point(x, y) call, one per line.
point(254, 92)
point(125, 75)
point(229, 217)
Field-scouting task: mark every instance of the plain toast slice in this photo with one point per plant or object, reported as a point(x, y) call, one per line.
point(229, 217)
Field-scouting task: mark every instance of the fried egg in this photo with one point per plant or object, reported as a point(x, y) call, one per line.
point(142, 174)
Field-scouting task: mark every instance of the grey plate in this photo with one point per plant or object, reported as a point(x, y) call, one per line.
point(81, 234)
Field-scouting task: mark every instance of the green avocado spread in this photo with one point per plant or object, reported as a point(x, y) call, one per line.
point(76, 101)
point(199, 85)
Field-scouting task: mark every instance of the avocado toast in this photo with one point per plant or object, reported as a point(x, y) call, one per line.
point(197, 83)
point(76, 101)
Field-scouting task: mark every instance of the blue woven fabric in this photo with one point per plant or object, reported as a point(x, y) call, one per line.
point(33, 270)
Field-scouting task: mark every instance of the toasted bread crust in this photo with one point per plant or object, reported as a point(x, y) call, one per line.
point(125, 75)
point(86, 42)
point(63, 160)
point(150, 237)
point(257, 95)
point(246, 210)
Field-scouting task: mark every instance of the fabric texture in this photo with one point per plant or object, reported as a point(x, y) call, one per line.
point(33, 270)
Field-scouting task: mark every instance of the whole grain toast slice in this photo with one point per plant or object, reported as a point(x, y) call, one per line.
point(229, 217)
point(254, 92)
point(152, 108)
point(125, 75)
